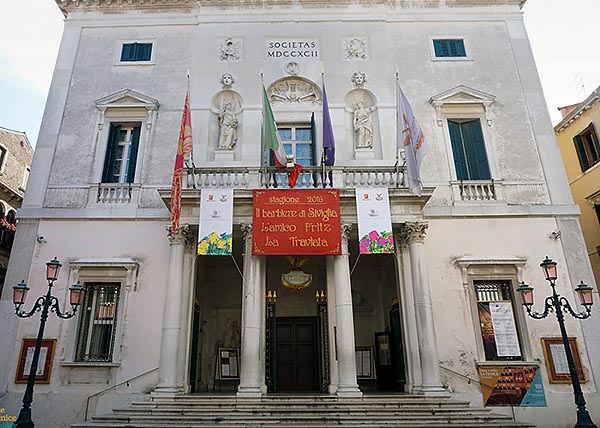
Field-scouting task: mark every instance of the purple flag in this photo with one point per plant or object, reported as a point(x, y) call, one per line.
point(328, 143)
point(328, 139)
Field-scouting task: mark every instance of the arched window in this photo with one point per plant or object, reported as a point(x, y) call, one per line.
point(10, 217)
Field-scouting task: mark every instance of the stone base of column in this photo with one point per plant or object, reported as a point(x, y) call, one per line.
point(433, 390)
point(247, 392)
point(166, 392)
point(349, 391)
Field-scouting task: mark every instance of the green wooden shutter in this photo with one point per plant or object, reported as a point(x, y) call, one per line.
point(583, 160)
point(128, 52)
point(594, 146)
point(477, 162)
point(111, 154)
point(460, 162)
point(144, 52)
point(133, 151)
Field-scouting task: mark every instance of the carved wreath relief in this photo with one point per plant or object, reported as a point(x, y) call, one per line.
point(355, 49)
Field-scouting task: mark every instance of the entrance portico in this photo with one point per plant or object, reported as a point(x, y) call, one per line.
point(370, 284)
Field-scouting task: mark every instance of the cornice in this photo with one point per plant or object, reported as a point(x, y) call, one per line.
point(587, 104)
point(67, 6)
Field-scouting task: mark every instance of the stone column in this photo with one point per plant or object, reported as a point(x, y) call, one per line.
point(171, 326)
point(428, 353)
point(251, 383)
point(409, 323)
point(344, 320)
point(187, 310)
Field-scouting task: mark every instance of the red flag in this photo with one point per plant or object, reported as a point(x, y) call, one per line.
point(184, 149)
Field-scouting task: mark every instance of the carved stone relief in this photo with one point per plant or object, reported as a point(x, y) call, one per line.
point(230, 49)
point(294, 90)
point(355, 48)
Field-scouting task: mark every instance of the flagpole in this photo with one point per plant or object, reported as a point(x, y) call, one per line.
point(323, 149)
point(263, 159)
point(397, 130)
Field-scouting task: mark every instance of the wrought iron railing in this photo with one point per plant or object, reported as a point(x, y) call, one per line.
point(310, 177)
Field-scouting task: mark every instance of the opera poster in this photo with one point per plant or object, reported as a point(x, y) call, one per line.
point(215, 237)
point(374, 221)
point(515, 386)
point(296, 222)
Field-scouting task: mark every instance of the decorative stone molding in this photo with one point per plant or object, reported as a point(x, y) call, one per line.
point(416, 231)
point(401, 238)
point(180, 236)
point(71, 5)
point(294, 90)
point(127, 98)
point(462, 96)
point(594, 198)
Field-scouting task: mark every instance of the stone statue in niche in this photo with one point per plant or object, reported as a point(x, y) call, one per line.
point(356, 49)
point(359, 79)
point(229, 123)
point(227, 81)
point(230, 49)
point(363, 126)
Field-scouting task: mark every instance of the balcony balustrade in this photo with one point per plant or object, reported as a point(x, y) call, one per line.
point(310, 177)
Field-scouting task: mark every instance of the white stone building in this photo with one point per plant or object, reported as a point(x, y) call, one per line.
point(157, 316)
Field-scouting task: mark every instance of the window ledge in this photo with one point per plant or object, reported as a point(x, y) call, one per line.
point(507, 363)
point(452, 58)
point(130, 63)
point(88, 364)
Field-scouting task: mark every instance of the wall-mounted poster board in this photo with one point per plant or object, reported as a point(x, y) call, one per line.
point(228, 360)
point(44, 368)
point(556, 360)
point(364, 362)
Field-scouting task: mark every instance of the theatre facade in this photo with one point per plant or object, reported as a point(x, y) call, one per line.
point(295, 300)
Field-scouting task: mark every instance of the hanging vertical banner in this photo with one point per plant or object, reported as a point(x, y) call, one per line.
point(215, 237)
point(374, 221)
point(515, 386)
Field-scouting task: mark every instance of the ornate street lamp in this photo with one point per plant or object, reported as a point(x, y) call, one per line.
point(45, 304)
point(558, 304)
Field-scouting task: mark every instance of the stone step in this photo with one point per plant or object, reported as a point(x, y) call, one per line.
point(298, 411)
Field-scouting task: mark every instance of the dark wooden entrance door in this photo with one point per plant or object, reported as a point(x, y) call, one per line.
point(296, 354)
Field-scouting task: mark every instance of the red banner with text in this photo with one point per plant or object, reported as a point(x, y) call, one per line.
point(296, 222)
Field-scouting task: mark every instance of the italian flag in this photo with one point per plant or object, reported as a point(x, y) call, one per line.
point(273, 143)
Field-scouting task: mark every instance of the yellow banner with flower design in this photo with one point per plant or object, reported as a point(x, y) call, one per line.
point(215, 237)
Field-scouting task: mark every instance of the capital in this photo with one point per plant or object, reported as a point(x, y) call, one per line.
point(346, 228)
point(415, 231)
point(179, 235)
point(246, 231)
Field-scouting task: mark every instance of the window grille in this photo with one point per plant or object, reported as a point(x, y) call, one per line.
point(97, 328)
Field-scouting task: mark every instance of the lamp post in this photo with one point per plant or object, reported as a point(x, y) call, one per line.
point(558, 304)
point(46, 303)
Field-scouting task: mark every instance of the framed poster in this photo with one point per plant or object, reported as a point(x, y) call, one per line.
point(556, 360)
point(44, 363)
point(364, 362)
point(228, 363)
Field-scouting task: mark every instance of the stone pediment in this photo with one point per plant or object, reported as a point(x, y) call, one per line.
point(127, 99)
point(293, 90)
point(462, 95)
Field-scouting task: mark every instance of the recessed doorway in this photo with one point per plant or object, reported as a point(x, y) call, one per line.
point(296, 354)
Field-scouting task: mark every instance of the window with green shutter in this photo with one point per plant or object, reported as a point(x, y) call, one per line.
point(133, 52)
point(587, 147)
point(445, 48)
point(468, 149)
point(121, 153)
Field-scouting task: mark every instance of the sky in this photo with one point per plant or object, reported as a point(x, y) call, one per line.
point(563, 35)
